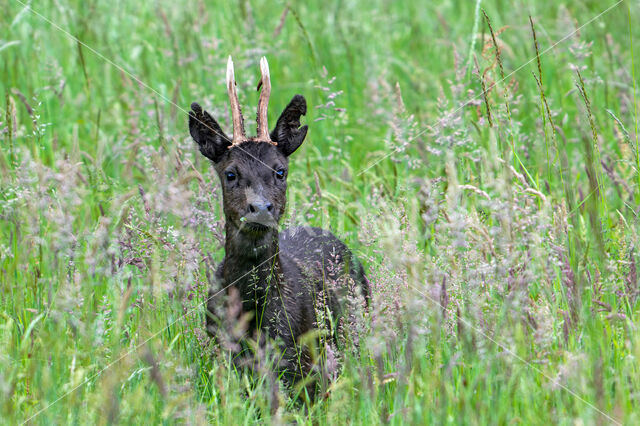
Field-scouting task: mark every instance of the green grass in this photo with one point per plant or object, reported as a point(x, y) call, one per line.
point(503, 255)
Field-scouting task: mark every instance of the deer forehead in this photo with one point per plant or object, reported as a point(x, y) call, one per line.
point(257, 158)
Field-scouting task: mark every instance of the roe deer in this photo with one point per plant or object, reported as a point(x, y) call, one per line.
point(281, 278)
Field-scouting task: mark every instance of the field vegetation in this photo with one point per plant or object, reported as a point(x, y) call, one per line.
point(482, 159)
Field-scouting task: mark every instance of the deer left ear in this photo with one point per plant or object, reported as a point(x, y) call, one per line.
point(288, 134)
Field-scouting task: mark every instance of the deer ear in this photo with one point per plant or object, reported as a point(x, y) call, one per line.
point(288, 134)
point(206, 131)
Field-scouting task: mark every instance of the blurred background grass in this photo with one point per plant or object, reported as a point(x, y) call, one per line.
point(483, 208)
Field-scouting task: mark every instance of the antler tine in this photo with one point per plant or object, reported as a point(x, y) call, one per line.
point(263, 102)
point(236, 114)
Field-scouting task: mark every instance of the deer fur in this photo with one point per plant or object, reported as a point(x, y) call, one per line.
point(279, 277)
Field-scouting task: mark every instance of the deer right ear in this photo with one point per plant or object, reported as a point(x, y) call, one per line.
point(288, 134)
point(206, 131)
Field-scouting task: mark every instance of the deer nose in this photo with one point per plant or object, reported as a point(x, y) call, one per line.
point(260, 206)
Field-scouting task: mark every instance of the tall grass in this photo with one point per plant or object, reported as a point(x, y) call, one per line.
point(496, 213)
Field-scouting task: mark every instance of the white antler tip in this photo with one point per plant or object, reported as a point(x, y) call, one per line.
point(264, 67)
point(230, 76)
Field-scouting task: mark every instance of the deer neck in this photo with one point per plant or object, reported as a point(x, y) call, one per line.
point(251, 261)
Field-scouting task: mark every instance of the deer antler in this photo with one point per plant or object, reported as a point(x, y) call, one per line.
point(263, 102)
point(236, 114)
point(239, 135)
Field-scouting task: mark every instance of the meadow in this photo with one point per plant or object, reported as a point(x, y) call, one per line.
point(482, 159)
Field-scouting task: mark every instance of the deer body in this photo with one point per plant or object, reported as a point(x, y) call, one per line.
point(281, 279)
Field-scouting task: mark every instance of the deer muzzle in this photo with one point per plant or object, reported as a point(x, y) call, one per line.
point(260, 211)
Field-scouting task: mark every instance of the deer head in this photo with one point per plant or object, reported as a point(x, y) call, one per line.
point(252, 171)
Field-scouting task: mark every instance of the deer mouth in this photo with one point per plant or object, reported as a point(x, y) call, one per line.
point(257, 227)
point(258, 222)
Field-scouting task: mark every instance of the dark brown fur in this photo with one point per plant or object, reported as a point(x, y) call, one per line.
point(280, 277)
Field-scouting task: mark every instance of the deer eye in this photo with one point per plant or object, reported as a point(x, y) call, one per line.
point(230, 176)
point(280, 173)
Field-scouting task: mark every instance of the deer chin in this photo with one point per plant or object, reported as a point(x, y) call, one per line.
point(255, 227)
point(258, 228)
